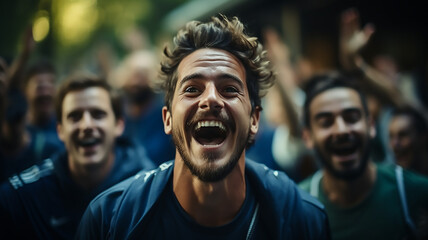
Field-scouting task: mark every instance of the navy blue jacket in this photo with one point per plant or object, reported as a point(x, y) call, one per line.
point(43, 202)
point(121, 211)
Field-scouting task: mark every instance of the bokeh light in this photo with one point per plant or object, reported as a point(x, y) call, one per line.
point(41, 26)
point(76, 21)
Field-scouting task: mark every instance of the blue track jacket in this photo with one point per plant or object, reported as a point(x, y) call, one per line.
point(121, 212)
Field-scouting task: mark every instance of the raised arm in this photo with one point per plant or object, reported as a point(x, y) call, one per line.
point(353, 38)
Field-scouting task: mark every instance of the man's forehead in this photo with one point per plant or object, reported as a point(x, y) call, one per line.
point(335, 100)
point(212, 61)
point(84, 96)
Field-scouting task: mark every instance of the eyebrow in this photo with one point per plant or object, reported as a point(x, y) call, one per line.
point(352, 109)
point(328, 114)
point(222, 76)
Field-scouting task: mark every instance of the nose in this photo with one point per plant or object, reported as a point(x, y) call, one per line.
point(211, 98)
point(87, 122)
point(340, 126)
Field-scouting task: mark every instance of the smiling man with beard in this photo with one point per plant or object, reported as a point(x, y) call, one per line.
point(214, 77)
point(47, 200)
point(362, 200)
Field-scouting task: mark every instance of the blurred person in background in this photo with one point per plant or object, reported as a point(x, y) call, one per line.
point(279, 144)
point(37, 83)
point(408, 138)
point(39, 87)
point(363, 200)
point(143, 107)
point(20, 147)
point(47, 200)
point(381, 92)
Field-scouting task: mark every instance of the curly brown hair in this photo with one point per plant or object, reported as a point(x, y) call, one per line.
point(219, 33)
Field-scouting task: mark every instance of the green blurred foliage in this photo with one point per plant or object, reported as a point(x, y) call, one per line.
point(77, 27)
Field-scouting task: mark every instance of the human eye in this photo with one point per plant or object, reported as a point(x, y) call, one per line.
point(324, 120)
point(230, 89)
point(98, 114)
point(74, 116)
point(191, 89)
point(352, 115)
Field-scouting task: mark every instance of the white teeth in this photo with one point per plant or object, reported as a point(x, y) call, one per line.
point(210, 124)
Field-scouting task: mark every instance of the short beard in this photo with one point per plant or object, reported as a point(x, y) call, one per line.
point(208, 174)
point(348, 175)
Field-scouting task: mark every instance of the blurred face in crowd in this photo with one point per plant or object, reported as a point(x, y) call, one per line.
point(40, 92)
point(211, 118)
point(88, 127)
point(403, 139)
point(340, 132)
point(138, 71)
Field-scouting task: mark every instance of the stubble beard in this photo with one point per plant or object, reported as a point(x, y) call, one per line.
point(349, 175)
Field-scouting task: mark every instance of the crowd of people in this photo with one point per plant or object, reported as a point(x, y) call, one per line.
point(199, 152)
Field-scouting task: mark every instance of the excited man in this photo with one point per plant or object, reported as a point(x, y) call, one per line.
point(214, 77)
point(362, 200)
point(47, 201)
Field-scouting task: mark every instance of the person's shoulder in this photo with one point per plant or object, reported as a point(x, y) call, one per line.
point(127, 189)
point(26, 186)
point(278, 183)
point(309, 200)
point(283, 202)
point(116, 209)
point(32, 176)
point(305, 184)
point(410, 177)
point(269, 179)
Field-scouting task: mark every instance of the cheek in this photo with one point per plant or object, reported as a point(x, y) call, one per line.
point(407, 142)
point(321, 135)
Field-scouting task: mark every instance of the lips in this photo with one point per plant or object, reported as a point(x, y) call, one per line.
point(88, 142)
point(344, 148)
point(210, 132)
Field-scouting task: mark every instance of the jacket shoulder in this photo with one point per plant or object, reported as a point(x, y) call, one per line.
point(116, 210)
point(295, 213)
point(31, 175)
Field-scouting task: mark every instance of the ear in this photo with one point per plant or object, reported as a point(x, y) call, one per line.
point(307, 138)
point(255, 118)
point(167, 121)
point(60, 131)
point(120, 127)
point(372, 128)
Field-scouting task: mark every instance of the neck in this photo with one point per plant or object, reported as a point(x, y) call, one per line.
point(210, 203)
point(88, 176)
point(345, 193)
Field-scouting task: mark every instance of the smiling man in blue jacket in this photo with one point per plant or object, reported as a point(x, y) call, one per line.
point(47, 201)
point(214, 77)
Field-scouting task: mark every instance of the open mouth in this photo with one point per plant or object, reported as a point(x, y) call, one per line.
point(210, 132)
point(345, 150)
point(88, 142)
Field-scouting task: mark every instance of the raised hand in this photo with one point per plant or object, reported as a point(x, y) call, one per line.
point(352, 37)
